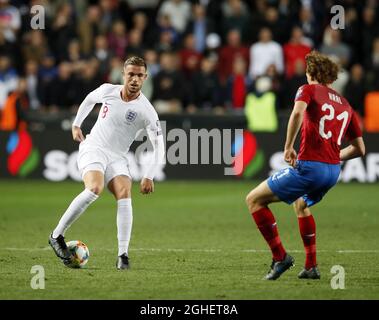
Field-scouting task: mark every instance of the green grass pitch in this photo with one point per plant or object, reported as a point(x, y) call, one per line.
point(191, 240)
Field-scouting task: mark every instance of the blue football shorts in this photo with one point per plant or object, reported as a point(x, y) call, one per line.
point(310, 180)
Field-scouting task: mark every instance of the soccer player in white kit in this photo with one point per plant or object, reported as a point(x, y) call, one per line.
point(124, 113)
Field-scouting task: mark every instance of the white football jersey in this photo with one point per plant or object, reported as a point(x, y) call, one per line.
point(119, 123)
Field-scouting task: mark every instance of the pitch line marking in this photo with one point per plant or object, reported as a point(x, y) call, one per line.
point(197, 250)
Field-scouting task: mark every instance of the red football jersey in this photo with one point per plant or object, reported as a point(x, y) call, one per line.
point(328, 118)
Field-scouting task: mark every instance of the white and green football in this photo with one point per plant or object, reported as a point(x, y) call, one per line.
point(80, 252)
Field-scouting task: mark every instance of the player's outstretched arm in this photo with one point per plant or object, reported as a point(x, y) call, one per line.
point(294, 124)
point(84, 109)
point(156, 139)
point(354, 150)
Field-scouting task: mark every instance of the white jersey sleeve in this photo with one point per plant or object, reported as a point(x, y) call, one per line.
point(87, 105)
point(155, 135)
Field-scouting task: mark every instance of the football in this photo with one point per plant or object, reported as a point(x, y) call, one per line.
point(80, 252)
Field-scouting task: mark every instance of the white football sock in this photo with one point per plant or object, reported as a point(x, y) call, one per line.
point(124, 224)
point(73, 212)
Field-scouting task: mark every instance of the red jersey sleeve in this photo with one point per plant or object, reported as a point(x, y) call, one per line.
point(304, 93)
point(354, 129)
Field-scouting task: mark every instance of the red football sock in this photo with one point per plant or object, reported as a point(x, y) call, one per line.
point(307, 227)
point(266, 223)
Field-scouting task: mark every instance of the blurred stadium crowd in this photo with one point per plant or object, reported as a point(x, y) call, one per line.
point(202, 56)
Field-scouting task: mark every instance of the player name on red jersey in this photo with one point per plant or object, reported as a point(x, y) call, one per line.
point(328, 118)
point(335, 98)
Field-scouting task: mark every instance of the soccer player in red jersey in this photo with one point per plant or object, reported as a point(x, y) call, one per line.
point(325, 118)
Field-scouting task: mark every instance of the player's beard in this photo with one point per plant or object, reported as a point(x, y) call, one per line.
point(134, 89)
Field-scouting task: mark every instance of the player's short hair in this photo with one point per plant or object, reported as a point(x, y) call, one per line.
point(321, 68)
point(135, 61)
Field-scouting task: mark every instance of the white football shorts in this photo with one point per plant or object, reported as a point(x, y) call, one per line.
point(94, 158)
